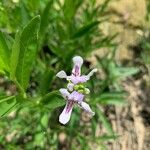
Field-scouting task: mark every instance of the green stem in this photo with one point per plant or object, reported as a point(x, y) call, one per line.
point(22, 91)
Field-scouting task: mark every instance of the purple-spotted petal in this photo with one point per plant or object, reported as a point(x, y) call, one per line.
point(76, 96)
point(64, 93)
point(66, 113)
point(77, 61)
point(87, 108)
point(61, 74)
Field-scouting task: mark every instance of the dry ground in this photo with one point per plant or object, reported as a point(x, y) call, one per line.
point(132, 122)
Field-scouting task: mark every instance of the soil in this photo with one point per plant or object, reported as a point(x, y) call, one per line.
point(132, 122)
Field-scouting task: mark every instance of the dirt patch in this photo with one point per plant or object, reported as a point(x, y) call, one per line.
point(130, 122)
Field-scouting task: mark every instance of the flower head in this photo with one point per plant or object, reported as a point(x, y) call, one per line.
point(76, 91)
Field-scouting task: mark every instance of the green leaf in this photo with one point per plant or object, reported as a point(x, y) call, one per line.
point(125, 71)
point(44, 120)
point(53, 100)
point(39, 139)
point(112, 98)
point(116, 98)
point(45, 17)
point(24, 13)
point(70, 8)
point(113, 95)
point(15, 56)
point(46, 80)
point(7, 104)
point(113, 101)
point(104, 6)
point(4, 53)
point(24, 52)
point(108, 137)
point(85, 29)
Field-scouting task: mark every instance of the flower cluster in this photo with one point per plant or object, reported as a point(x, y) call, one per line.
point(76, 91)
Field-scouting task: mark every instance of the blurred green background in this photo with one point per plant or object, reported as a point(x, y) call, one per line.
point(38, 38)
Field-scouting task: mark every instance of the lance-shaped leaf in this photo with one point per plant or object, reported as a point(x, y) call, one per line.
point(24, 52)
point(85, 29)
point(46, 81)
point(116, 98)
point(4, 53)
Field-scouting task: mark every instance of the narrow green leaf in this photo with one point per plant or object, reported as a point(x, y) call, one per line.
point(24, 52)
point(113, 95)
point(69, 9)
point(53, 100)
point(46, 80)
point(15, 56)
point(4, 53)
point(113, 101)
point(108, 137)
point(7, 104)
point(127, 71)
point(85, 29)
point(104, 6)
point(117, 98)
point(45, 17)
point(24, 13)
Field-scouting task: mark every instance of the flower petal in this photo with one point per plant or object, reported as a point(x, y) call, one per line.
point(76, 96)
point(77, 79)
point(77, 61)
point(64, 93)
point(87, 108)
point(61, 74)
point(66, 113)
point(87, 77)
point(70, 86)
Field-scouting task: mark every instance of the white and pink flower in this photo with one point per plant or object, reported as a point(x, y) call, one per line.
point(75, 92)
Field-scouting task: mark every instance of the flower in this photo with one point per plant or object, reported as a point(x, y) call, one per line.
point(76, 91)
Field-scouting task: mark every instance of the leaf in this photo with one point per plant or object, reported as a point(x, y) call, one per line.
point(116, 98)
point(108, 137)
point(24, 52)
point(113, 101)
point(7, 104)
point(70, 8)
point(44, 120)
point(52, 100)
point(46, 80)
point(104, 6)
point(113, 95)
point(128, 71)
point(45, 17)
point(105, 122)
point(85, 29)
point(93, 127)
point(15, 56)
point(24, 13)
point(39, 139)
point(4, 53)
point(45, 20)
